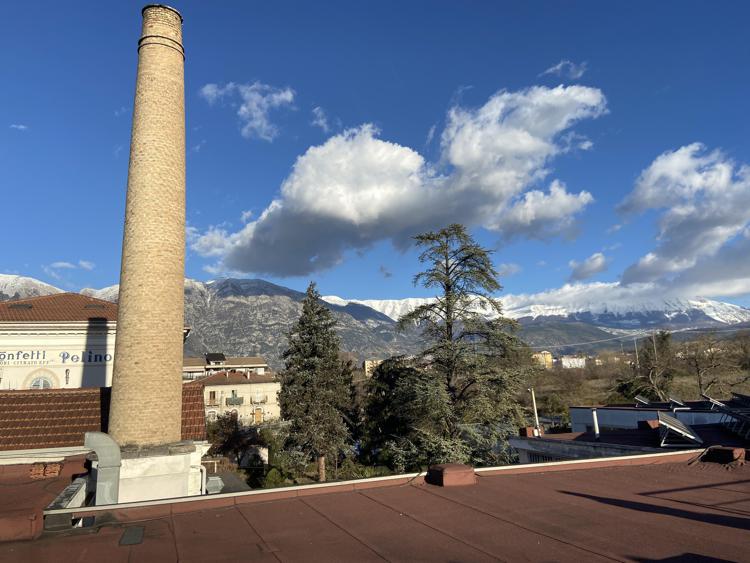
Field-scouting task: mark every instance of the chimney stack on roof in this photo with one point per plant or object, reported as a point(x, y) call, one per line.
point(146, 402)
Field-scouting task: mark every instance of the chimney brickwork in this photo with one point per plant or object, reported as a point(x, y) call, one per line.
point(147, 379)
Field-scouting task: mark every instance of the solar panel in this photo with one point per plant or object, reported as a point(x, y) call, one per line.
point(639, 399)
point(677, 401)
point(671, 424)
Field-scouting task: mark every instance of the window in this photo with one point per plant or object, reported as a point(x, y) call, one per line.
point(258, 416)
point(41, 383)
point(212, 398)
point(234, 393)
point(212, 416)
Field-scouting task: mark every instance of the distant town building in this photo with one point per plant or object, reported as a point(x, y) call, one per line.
point(543, 358)
point(370, 366)
point(195, 368)
point(252, 397)
point(573, 362)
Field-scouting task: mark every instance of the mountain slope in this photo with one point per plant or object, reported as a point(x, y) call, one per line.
point(20, 287)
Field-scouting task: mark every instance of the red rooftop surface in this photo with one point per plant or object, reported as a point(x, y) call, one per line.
point(53, 418)
point(232, 378)
point(668, 512)
point(61, 307)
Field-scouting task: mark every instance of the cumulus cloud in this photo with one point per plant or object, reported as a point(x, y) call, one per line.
point(356, 188)
point(704, 202)
point(256, 101)
point(567, 69)
point(594, 264)
point(246, 216)
point(505, 270)
point(320, 119)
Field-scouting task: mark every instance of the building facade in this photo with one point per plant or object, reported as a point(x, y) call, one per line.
point(251, 397)
point(196, 368)
point(61, 341)
point(543, 358)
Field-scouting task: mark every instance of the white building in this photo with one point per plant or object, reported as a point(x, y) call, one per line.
point(65, 340)
point(572, 362)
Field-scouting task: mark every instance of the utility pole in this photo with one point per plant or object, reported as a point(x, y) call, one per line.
point(533, 404)
point(635, 346)
point(653, 339)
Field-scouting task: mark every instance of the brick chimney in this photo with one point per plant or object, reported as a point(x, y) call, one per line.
point(147, 379)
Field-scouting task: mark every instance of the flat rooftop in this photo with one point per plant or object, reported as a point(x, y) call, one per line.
point(666, 512)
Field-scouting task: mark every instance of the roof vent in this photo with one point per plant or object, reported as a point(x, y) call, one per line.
point(21, 306)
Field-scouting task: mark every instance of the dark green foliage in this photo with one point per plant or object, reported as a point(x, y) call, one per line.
point(228, 437)
point(455, 402)
point(316, 384)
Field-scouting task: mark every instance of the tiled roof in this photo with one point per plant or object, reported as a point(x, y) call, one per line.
point(244, 361)
point(233, 378)
point(62, 307)
point(193, 362)
point(49, 418)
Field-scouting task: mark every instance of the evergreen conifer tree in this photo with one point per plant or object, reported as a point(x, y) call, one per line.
point(472, 362)
point(316, 384)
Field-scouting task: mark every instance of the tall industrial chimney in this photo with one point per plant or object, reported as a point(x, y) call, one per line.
point(147, 380)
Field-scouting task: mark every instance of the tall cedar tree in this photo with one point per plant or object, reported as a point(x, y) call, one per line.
point(316, 384)
point(471, 351)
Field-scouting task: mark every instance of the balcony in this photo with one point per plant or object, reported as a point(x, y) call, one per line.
point(234, 401)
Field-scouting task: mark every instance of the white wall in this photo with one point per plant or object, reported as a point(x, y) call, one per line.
point(68, 355)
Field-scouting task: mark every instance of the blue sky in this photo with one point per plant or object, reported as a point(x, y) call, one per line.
point(537, 163)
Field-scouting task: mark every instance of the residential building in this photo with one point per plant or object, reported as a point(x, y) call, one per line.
point(573, 362)
point(252, 397)
point(214, 362)
point(543, 358)
point(369, 366)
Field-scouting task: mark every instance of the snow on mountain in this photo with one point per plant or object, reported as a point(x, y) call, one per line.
point(21, 287)
point(603, 302)
point(110, 293)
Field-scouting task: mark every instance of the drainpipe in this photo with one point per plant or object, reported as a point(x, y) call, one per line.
point(203, 476)
point(596, 424)
point(108, 467)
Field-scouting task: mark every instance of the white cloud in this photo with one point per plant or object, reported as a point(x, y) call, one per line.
point(594, 264)
point(256, 102)
point(86, 265)
point(197, 147)
point(505, 270)
point(19, 126)
point(246, 216)
point(356, 189)
point(567, 69)
point(121, 111)
point(62, 265)
point(320, 119)
point(430, 135)
point(704, 200)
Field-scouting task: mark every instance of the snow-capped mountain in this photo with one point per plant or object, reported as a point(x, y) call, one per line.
point(603, 304)
point(21, 287)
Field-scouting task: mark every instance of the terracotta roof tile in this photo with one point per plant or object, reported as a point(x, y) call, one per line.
point(62, 307)
point(48, 418)
point(233, 378)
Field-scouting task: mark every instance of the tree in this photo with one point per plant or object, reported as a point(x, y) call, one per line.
point(654, 372)
point(316, 384)
point(461, 401)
